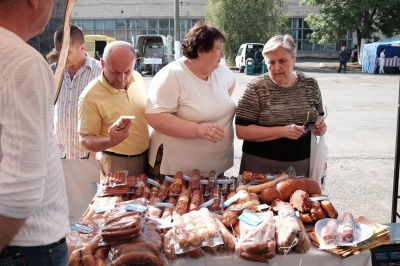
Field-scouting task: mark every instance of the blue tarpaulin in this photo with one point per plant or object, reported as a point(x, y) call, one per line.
point(371, 52)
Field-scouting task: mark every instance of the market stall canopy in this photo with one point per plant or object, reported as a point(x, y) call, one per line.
point(371, 52)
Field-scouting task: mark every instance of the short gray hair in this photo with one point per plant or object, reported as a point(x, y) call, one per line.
point(286, 41)
point(116, 45)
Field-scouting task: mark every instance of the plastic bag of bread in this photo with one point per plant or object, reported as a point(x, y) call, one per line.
point(196, 229)
point(257, 243)
point(303, 244)
point(228, 237)
point(288, 229)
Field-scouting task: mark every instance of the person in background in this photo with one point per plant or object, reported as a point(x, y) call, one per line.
point(382, 61)
point(343, 58)
point(97, 56)
point(191, 109)
point(137, 65)
point(79, 70)
point(171, 58)
point(52, 56)
point(258, 57)
point(155, 67)
point(275, 111)
point(119, 91)
point(34, 209)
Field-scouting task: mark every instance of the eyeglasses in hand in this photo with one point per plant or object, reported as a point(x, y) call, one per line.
point(310, 127)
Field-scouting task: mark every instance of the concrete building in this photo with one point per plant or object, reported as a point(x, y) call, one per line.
point(125, 19)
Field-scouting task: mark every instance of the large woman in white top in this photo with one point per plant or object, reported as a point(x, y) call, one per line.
point(382, 61)
point(190, 108)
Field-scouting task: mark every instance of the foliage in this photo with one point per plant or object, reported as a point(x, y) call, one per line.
point(247, 21)
point(365, 17)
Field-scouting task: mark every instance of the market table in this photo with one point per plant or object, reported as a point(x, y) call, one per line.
point(314, 257)
point(80, 194)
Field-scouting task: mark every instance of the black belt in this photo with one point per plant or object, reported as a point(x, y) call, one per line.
point(124, 155)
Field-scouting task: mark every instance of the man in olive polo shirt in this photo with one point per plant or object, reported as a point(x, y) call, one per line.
point(119, 91)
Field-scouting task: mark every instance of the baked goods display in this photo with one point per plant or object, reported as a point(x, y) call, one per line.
point(157, 223)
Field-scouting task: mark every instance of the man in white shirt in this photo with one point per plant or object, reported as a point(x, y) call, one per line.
point(33, 200)
point(79, 70)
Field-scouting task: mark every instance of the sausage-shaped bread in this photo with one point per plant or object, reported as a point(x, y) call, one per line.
point(195, 200)
point(163, 192)
point(216, 194)
point(348, 227)
point(195, 182)
point(331, 231)
point(168, 211)
point(177, 184)
point(183, 201)
point(212, 177)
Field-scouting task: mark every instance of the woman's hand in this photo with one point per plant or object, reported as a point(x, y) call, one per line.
point(319, 128)
point(293, 131)
point(211, 132)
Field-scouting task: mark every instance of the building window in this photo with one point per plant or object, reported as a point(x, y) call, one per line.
point(152, 24)
point(120, 24)
point(300, 30)
point(164, 23)
point(109, 24)
point(142, 24)
point(99, 24)
point(87, 24)
point(126, 30)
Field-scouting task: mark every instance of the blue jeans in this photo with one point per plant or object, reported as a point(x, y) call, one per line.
point(55, 254)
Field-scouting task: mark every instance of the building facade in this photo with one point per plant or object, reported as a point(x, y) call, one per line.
point(127, 19)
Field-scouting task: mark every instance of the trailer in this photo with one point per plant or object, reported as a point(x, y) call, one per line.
point(370, 56)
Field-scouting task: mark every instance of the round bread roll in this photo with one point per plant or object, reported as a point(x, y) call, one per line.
point(316, 212)
point(183, 240)
point(244, 196)
point(270, 194)
point(194, 239)
point(305, 217)
point(286, 190)
point(229, 218)
point(329, 209)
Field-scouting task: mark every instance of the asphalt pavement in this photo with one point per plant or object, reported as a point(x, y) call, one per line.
point(361, 137)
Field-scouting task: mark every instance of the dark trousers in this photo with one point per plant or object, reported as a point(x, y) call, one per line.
point(55, 254)
point(257, 65)
point(342, 63)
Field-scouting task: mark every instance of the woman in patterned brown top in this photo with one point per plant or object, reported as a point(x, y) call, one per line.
point(275, 112)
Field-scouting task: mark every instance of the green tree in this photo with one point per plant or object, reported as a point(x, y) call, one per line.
point(365, 17)
point(247, 21)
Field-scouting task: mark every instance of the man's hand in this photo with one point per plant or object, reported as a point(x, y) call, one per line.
point(119, 132)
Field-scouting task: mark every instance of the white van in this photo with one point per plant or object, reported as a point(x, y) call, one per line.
point(245, 51)
point(153, 49)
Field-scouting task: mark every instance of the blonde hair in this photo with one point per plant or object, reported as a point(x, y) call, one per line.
point(286, 41)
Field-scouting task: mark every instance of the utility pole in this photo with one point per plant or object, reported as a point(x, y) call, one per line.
point(177, 32)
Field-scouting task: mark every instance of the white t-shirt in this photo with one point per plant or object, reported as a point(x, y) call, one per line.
point(175, 89)
point(32, 182)
point(382, 57)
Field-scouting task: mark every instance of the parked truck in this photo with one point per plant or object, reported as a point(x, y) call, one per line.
point(152, 50)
